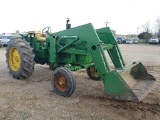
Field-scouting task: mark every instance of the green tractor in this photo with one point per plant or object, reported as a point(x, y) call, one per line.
point(77, 48)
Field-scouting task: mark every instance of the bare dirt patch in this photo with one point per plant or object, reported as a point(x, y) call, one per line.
point(34, 98)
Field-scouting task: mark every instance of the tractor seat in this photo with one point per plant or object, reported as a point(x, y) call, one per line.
point(40, 36)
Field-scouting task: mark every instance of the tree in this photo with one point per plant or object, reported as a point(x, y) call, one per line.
point(157, 26)
point(146, 27)
point(145, 36)
point(140, 36)
point(17, 31)
point(131, 35)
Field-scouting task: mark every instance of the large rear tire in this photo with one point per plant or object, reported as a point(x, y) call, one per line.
point(63, 82)
point(20, 58)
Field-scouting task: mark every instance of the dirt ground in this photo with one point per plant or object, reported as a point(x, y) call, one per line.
point(34, 99)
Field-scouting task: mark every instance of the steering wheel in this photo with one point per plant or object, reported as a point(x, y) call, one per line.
point(47, 30)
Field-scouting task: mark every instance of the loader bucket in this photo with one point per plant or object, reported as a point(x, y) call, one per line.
point(132, 83)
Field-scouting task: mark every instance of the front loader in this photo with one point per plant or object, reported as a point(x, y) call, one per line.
point(78, 48)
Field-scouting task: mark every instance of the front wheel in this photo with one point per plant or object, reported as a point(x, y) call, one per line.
point(92, 73)
point(63, 82)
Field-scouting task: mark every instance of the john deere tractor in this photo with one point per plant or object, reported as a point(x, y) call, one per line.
point(82, 47)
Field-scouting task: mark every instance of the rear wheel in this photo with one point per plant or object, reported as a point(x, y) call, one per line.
point(92, 73)
point(20, 58)
point(63, 82)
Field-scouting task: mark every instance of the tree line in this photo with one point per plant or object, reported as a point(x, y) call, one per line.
point(148, 32)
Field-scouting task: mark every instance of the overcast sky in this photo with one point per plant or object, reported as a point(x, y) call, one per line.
point(124, 15)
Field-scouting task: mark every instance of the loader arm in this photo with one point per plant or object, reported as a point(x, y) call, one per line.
point(97, 42)
point(87, 34)
point(125, 82)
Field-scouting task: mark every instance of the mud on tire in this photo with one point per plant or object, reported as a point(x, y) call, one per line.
point(20, 58)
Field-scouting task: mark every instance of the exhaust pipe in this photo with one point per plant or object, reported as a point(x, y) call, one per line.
point(68, 25)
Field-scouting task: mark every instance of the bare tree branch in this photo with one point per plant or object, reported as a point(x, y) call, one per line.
point(146, 27)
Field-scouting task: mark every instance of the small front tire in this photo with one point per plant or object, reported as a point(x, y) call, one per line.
point(63, 82)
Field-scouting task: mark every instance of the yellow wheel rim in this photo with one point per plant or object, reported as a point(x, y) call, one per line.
point(14, 59)
point(61, 82)
point(94, 71)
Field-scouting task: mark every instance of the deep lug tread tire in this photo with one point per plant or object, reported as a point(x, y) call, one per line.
point(26, 57)
point(70, 80)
